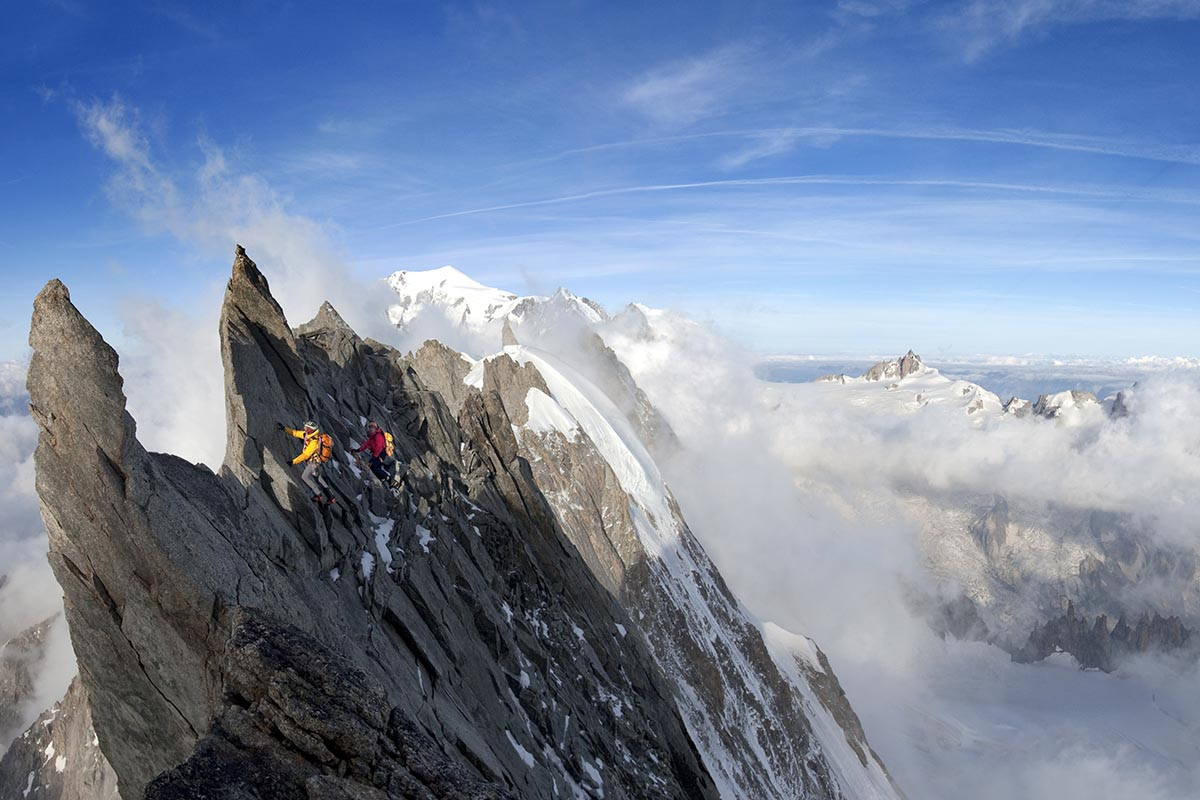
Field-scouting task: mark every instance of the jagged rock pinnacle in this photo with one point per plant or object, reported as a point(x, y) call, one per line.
point(508, 338)
point(264, 380)
point(327, 319)
point(93, 481)
point(67, 349)
point(901, 368)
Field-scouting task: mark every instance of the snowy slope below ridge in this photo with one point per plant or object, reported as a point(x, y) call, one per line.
point(700, 634)
point(59, 757)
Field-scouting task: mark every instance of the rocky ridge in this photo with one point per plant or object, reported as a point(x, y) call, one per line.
point(1097, 646)
point(476, 637)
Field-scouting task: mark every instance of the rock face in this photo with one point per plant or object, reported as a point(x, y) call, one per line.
point(744, 705)
point(288, 694)
point(1018, 407)
point(899, 369)
point(1120, 406)
point(1094, 646)
point(469, 635)
point(507, 337)
point(990, 529)
point(59, 757)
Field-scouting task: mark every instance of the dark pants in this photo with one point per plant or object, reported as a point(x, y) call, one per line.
point(380, 470)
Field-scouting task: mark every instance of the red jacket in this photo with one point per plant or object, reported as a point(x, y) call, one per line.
point(375, 443)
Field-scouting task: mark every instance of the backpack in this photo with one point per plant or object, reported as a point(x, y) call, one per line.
point(389, 445)
point(326, 452)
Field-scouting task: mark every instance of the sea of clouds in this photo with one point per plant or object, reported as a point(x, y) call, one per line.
point(797, 496)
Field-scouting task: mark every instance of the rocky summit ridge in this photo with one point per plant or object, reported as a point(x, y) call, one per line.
point(522, 618)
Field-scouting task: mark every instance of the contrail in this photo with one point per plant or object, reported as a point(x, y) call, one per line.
point(830, 180)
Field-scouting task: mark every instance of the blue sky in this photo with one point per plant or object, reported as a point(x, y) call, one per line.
point(864, 176)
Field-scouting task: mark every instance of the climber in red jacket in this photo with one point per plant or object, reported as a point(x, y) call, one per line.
point(376, 444)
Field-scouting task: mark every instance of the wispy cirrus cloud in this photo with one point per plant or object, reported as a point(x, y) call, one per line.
point(981, 26)
point(770, 143)
point(685, 91)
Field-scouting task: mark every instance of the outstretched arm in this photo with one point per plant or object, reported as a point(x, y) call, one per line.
point(310, 450)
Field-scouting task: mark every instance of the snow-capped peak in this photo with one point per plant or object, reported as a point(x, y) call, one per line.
point(461, 298)
point(480, 311)
point(441, 276)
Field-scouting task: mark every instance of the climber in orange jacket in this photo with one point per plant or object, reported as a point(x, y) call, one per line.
point(317, 450)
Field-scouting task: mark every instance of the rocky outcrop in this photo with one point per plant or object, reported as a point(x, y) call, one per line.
point(1126, 557)
point(507, 337)
point(443, 370)
point(901, 368)
point(990, 528)
point(1018, 407)
point(1120, 406)
point(1095, 646)
point(1053, 406)
point(20, 659)
point(460, 598)
point(59, 757)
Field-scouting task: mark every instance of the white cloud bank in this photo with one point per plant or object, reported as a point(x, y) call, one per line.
point(797, 494)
